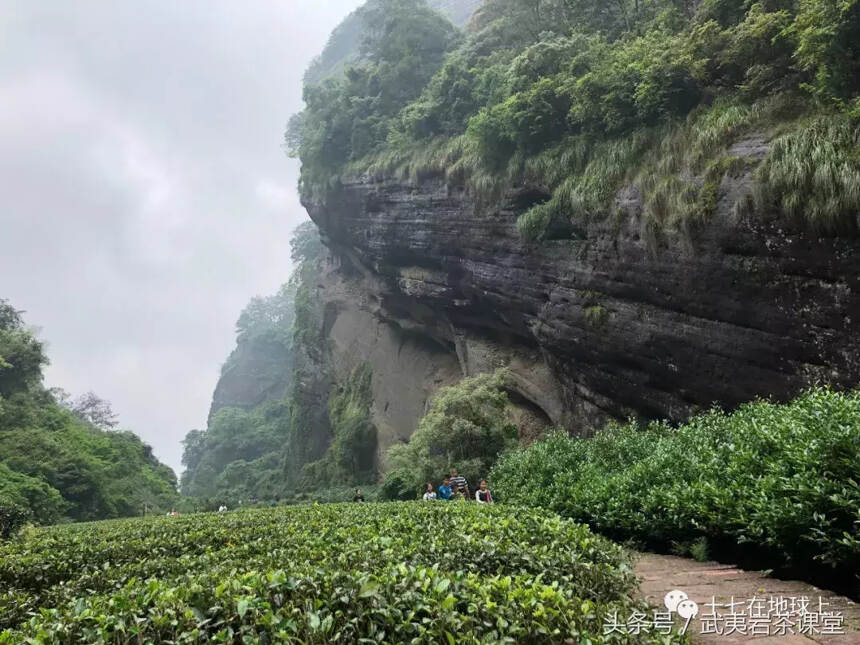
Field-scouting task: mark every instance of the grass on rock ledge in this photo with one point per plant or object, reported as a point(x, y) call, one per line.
point(811, 173)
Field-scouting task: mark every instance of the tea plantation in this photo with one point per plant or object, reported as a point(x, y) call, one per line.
point(775, 485)
point(411, 572)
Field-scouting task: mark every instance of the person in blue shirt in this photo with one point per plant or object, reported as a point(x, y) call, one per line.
point(445, 489)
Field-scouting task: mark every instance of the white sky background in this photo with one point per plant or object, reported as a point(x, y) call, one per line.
point(144, 195)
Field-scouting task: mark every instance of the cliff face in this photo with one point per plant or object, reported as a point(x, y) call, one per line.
point(258, 370)
point(595, 325)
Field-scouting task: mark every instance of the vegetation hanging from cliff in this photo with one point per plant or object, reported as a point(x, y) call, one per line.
point(350, 457)
point(581, 96)
point(778, 483)
point(55, 461)
point(333, 440)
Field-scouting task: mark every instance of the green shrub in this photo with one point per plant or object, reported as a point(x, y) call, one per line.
point(346, 573)
point(12, 518)
point(596, 315)
point(467, 427)
point(696, 549)
point(534, 223)
point(399, 484)
point(780, 481)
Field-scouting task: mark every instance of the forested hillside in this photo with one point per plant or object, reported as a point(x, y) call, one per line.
point(61, 461)
point(345, 45)
point(239, 456)
point(277, 427)
point(258, 368)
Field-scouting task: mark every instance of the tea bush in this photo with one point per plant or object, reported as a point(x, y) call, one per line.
point(778, 482)
point(413, 572)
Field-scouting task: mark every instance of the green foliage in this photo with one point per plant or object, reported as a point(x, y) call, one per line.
point(349, 117)
point(332, 495)
point(696, 549)
point(399, 484)
point(778, 481)
point(344, 573)
point(55, 462)
point(32, 496)
point(353, 447)
point(467, 426)
point(21, 354)
point(305, 251)
point(699, 549)
point(581, 96)
point(351, 455)
point(813, 175)
point(99, 473)
point(238, 457)
point(596, 315)
point(269, 318)
point(343, 48)
point(828, 37)
point(12, 518)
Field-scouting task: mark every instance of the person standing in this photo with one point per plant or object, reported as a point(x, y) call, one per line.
point(459, 483)
point(482, 495)
point(429, 494)
point(445, 490)
point(359, 496)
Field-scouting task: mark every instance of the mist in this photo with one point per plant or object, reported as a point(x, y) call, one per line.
point(144, 193)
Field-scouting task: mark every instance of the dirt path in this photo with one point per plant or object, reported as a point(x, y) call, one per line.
point(773, 617)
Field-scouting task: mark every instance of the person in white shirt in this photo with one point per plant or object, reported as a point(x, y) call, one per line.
point(429, 493)
point(482, 495)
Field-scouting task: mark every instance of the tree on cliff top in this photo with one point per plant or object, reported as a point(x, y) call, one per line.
point(348, 117)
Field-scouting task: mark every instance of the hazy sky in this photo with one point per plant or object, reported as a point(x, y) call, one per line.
point(144, 196)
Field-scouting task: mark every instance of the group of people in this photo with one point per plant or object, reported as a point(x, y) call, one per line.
point(455, 486)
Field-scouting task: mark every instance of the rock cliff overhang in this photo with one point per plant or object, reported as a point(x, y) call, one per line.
point(597, 323)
